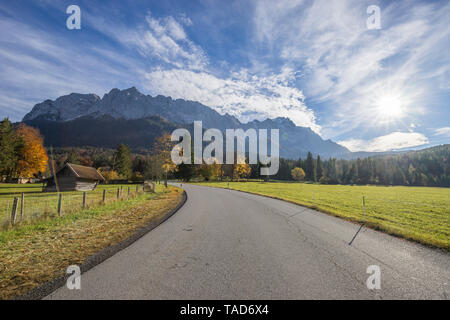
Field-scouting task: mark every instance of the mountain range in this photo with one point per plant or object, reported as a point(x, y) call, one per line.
point(130, 117)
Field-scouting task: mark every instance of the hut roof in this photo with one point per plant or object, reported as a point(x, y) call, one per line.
point(81, 172)
point(84, 172)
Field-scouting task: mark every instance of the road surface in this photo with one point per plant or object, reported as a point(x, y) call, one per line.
point(225, 244)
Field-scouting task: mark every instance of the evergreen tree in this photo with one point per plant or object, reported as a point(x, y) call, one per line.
point(10, 146)
point(310, 169)
point(185, 172)
point(319, 170)
point(123, 161)
point(399, 177)
point(331, 171)
point(73, 158)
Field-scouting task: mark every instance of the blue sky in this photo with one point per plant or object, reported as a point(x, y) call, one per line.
point(312, 61)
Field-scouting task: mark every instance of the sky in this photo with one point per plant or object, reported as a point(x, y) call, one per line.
point(315, 62)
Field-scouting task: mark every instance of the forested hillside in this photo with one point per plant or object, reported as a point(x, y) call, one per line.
point(428, 167)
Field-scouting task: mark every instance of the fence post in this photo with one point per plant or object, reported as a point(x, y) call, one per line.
point(14, 210)
point(364, 208)
point(118, 193)
point(59, 204)
point(84, 200)
point(128, 191)
point(22, 206)
point(137, 188)
point(104, 196)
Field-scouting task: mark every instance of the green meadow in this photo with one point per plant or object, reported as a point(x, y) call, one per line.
point(38, 203)
point(420, 214)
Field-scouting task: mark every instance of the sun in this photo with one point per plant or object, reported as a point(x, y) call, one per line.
point(390, 106)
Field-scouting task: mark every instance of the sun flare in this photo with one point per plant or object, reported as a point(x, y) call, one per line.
point(390, 106)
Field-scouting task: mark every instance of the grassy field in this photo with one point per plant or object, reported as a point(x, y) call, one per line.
point(39, 203)
point(35, 253)
point(416, 213)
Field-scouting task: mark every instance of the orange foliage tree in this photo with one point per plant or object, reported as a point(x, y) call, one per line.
point(32, 156)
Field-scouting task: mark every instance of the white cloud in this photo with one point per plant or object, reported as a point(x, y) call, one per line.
point(346, 65)
point(391, 141)
point(243, 95)
point(445, 131)
point(162, 38)
point(40, 66)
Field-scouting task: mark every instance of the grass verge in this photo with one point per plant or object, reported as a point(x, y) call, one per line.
point(420, 214)
point(38, 203)
point(31, 255)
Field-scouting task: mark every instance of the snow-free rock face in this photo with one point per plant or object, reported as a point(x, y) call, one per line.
point(64, 108)
point(130, 104)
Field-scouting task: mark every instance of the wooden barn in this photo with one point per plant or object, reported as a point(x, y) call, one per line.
point(73, 177)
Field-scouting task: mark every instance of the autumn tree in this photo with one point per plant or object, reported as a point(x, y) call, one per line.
point(32, 157)
point(210, 171)
point(241, 170)
point(298, 174)
point(109, 175)
point(162, 149)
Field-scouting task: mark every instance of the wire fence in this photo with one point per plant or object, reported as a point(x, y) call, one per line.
point(20, 207)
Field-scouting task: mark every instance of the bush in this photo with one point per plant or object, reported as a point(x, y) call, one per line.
point(298, 174)
point(325, 180)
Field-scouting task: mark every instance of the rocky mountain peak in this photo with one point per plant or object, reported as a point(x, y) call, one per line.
point(130, 104)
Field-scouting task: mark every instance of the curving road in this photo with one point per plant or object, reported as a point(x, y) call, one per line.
point(229, 245)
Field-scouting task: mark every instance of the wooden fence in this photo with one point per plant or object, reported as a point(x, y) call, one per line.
point(30, 206)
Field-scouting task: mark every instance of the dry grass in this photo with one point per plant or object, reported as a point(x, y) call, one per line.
point(31, 255)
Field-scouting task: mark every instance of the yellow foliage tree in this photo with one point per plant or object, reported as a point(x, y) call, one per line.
point(109, 175)
point(298, 174)
point(33, 156)
point(241, 171)
point(162, 149)
point(210, 171)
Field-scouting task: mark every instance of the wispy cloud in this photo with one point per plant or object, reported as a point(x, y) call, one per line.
point(347, 66)
point(243, 95)
point(445, 131)
point(40, 66)
point(186, 74)
point(164, 39)
point(312, 61)
point(389, 142)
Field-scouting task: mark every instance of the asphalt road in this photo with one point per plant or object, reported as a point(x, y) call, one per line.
point(226, 244)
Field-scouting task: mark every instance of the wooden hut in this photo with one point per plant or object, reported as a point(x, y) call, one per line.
point(73, 177)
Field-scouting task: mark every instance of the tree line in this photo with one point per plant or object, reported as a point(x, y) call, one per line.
point(428, 167)
point(155, 164)
point(22, 154)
